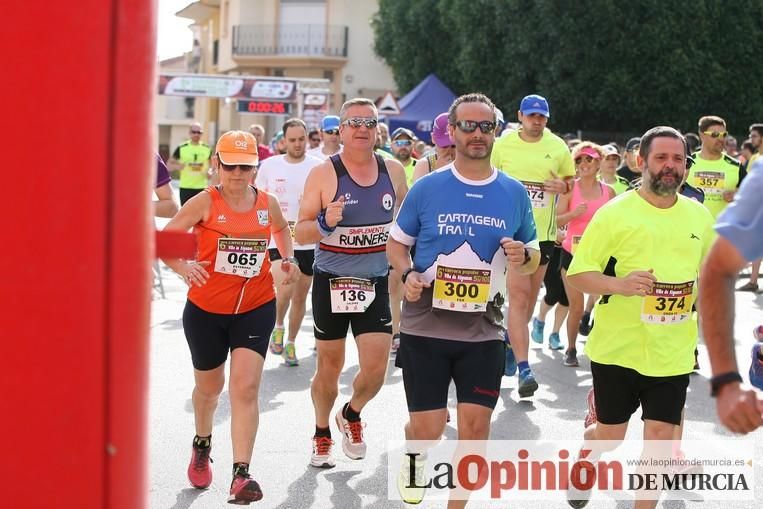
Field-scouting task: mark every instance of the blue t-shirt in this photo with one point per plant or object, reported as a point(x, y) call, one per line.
point(457, 222)
point(741, 223)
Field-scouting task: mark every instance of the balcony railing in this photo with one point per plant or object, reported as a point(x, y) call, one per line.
point(290, 40)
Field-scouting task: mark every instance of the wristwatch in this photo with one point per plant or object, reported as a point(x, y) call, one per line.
point(527, 256)
point(291, 259)
point(405, 273)
point(723, 379)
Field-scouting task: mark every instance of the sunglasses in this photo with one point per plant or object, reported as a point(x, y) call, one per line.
point(333, 132)
point(580, 159)
point(356, 122)
point(197, 132)
point(403, 143)
point(716, 134)
point(469, 126)
point(231, 167)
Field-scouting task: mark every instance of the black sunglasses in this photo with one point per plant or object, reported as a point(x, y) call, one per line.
point(197, 132)
point(231, 167)
point(469, 126)
point(332, 131)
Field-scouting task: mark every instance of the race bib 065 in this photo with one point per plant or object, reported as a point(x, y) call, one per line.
point(240, 257)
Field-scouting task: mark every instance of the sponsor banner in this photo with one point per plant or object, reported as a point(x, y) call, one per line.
point(561, 470)
point(200, 85)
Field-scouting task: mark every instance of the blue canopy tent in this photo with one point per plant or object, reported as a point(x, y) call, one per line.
point(420, 106)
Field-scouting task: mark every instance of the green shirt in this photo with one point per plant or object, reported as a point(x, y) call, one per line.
point(533, 164)
point(714, 177)
point(654, 335)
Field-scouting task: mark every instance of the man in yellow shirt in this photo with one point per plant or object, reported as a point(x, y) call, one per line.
point(192, 159)
point(714, 171)
point(542, 162)
point(642, 252)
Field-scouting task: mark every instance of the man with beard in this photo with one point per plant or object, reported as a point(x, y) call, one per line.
point(630, 170)
point(642, 253)
point(471, 225)
point(402, 149)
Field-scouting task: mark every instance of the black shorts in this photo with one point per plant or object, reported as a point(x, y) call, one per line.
point(187, 194)
point(555, 293)
point(546, 250)
point(328, 325)
point(305, 259)
point(211, 336)
point(565, 260)
point(429, 364)
point(619, 391)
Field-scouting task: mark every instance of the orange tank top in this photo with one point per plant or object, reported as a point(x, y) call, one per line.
point(235, 244)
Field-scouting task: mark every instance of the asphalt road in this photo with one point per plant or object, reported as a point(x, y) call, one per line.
point(282, 450)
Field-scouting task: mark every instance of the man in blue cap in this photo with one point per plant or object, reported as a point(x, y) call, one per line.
point(329, 139)
point(542, 162)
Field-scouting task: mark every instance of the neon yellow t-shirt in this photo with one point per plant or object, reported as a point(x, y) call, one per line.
point(755, 156)
point(714, 177)
point(409, 171)
point(195, 159)
point(654, 335)
point(532, 164)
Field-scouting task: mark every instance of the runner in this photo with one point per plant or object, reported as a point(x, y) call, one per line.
point(608, 170)
point(714, 171)
point(471, 225)
point(444, 149)
point(575, 209)
point(330, 141)
point(284, 176)
point(231, 304)
point(347, 209)
point(555, 296)
point(165, 206)
point(739, 408)
point(192, 159)
point(402, 150)
point(642, 253)
point(542, 162)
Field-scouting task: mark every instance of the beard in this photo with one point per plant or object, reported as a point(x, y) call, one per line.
point(658, 186)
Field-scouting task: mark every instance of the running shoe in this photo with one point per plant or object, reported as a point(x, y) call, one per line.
point(696, 359)
point(554, 342)
point(748, 287)
point(199, 471)
point(510, 367)
point(590, 416)
point(756, 367)
point(276, 341)
point(571, 358)
point(527, 384)
point(757, 333)
point(321, 457)
point(352, 437)
point(411, 492)
point(585, 324)
point(395, 344)
point(290, 354)
point(244, 490)
point(577, 498)
point(537, 332)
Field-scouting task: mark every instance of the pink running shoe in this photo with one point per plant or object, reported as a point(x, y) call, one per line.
point(590, 417)
point(244, 490)
point(199, 471)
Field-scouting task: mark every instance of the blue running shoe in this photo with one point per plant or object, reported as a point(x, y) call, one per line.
point(756, 368)
point(554, 342)
point(510, 367)
point(537, 332)
point(527, 384)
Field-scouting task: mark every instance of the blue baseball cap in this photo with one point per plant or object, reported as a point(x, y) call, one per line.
point(329, 123)
point(534, 103)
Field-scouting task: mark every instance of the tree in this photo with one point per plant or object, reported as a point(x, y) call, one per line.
point(604, 65)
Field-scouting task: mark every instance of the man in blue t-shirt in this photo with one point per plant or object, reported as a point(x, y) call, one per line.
point(470, 224)
point(739, 242)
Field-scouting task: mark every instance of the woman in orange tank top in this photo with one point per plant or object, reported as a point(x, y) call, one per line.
point(231, 303)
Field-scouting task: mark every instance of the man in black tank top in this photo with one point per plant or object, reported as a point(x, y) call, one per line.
point(346, 203)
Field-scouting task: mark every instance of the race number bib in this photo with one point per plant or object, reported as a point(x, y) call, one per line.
point(668, 303)
point(539, 197)
point(575, 242)
point(351, 294)
point(457, 289)
point(712, 182)
point(240, 257)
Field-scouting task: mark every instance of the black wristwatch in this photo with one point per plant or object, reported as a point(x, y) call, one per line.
point(405, 273)
point(723, 379)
